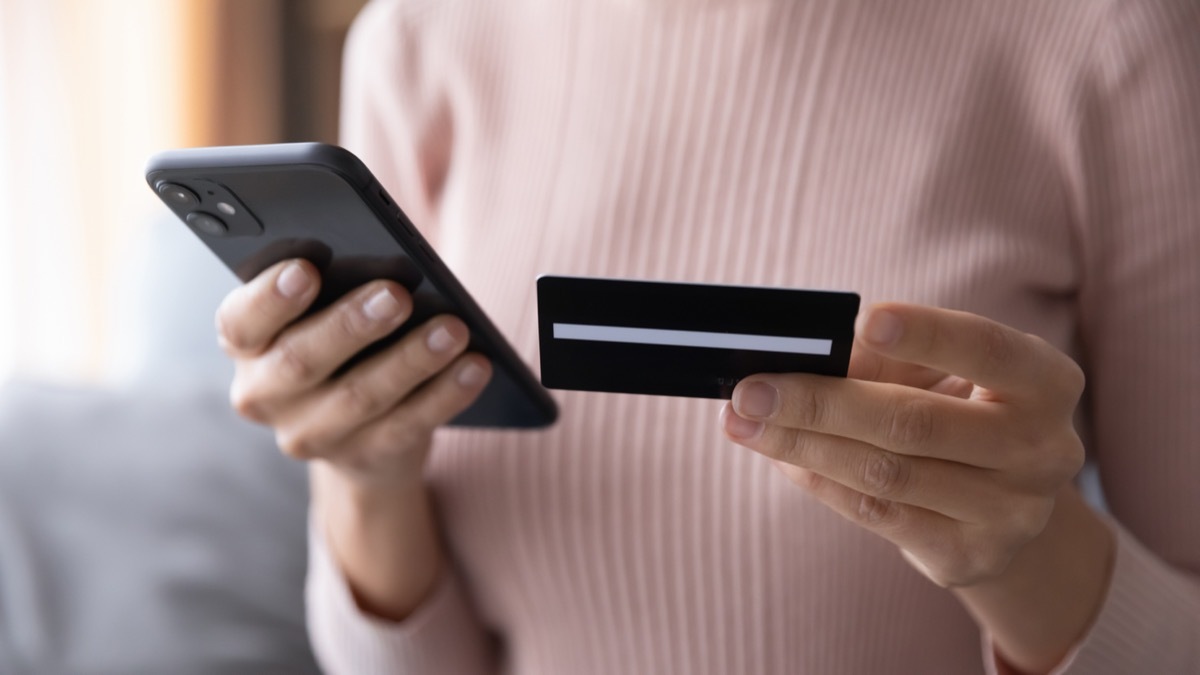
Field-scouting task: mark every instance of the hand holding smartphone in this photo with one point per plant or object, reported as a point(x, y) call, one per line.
point(255, 206)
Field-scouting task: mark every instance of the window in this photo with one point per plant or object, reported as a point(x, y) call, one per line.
point(87, 91)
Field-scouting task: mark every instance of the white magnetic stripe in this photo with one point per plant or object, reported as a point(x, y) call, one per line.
point(692, 338)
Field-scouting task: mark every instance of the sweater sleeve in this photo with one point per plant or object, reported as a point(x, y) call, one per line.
point(1140, 314)
point(442, 636)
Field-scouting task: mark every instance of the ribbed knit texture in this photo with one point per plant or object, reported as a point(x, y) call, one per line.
point(1034, 162)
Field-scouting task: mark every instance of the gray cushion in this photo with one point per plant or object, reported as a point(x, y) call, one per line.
point(147, 531)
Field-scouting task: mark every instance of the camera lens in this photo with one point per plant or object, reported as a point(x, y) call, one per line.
point(177, 195)
point(207, 223)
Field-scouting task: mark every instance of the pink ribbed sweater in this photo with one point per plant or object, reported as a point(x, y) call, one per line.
point(1037, 162)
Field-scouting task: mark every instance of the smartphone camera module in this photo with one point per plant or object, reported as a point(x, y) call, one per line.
point(206, 223)
point(209, 208)
point(177, 195)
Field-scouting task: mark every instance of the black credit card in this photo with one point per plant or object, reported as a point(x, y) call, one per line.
point(675, 339)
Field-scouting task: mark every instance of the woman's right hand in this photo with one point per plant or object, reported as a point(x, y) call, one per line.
point(370, 427)
point(372, 424)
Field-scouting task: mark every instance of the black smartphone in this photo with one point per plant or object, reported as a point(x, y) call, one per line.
point(256, 205)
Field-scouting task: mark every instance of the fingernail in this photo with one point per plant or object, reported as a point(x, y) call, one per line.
point(381, 306)
point(883, 328)
point(740, 427)
point(440, 340)
point(757, 399)
point(471, 375)
point(293, 281)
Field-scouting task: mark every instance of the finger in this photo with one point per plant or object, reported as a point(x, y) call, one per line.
point(953, 385)
point(341, 406)
point(252, 315)
point(435, 404)
point(868, 364)
point(889, 416)
point(1004, 360)
point(308, 352)
point(954, 490)
point(925, 535)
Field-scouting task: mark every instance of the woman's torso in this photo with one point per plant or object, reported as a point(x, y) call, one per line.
point(906, 151)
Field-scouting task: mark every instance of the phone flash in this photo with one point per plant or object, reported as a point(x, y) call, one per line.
point(226, 208)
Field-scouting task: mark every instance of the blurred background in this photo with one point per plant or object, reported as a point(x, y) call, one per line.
point(88, 90)
point(144, 528)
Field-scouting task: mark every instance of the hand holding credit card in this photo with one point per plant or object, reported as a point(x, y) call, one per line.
point(684, 339)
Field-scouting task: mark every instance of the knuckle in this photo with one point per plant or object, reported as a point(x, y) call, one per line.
point(975, 558)
point(347, 321)
point(960, 573)
point(956, 575)
point(355, 399)
point(999, 344)
point(1071, 456)
point(294, 445)
point(1078, 378)
point(796, 451)
point(406, 432)
point(987, 559)
point(230, 334)
point(245, 403)
point(967, 559)
point(876, 511)
point(1024, 524)
point(808, 409)
point(809, 480)
point(1052, 460)
point(291, 363)
point(418, 361)
point(884, 474)
point(946, 577)
point(957, 569)
point(1075, 381)
point(948, 566)
point(909, 425)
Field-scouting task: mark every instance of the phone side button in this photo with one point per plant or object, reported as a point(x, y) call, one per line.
point(403, 222)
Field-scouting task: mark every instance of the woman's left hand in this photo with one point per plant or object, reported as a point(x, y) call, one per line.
point(951, 437)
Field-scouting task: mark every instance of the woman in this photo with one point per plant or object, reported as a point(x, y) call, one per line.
point(1018, 181)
